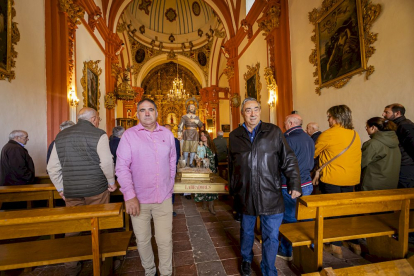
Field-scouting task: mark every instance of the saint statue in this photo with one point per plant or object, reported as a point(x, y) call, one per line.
point(189, 135)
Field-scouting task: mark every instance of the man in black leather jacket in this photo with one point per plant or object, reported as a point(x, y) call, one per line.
point(258, 153)
point(405, 132)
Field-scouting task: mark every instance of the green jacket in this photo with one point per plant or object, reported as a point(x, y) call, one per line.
point(381, 161)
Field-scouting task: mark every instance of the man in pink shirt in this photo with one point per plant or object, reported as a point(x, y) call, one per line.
point(145, 168)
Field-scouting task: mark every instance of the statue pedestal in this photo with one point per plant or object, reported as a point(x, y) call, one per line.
point(199, 180)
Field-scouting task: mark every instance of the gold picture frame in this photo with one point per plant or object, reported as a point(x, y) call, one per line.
point(253, 85)
point(342, 40)
point(9, 36)
point(91, 84)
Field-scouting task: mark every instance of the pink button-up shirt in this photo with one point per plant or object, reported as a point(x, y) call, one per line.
point(145, 164)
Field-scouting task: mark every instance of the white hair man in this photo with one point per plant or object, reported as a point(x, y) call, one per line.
point(17, 167)
point(81, 166)
point(312, 129)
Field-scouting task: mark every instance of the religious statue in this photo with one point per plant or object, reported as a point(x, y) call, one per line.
point(189, 135)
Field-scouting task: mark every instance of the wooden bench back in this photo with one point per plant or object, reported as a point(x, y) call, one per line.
point(353, 203)
point(39, 222)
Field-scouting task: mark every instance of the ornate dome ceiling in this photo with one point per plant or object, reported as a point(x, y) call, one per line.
point(160, 20)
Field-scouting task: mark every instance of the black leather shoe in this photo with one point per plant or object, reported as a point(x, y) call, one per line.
point(245, 268)
point(188, 197)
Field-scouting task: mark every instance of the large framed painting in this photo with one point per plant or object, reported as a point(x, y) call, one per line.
point(9, 36)
point(91, 84)
point(252, 82)
point(341, 42)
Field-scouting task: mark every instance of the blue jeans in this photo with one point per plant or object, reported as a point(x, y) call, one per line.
point(270, 233)
point(289, 217)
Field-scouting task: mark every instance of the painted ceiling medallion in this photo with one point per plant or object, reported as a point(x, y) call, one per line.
point(196, 8)
point(171, 14)
point(144, 6)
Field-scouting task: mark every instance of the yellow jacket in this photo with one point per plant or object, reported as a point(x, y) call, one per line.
point(346, 169)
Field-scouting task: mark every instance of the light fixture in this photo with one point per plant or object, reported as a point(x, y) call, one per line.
point(177, 92)
point(73, 99)
point(272, 98)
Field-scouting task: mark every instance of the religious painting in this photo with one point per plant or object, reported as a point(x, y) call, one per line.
point(225, 128)
point(90, 83)
point(253, 84)
point(340, 41)
point(9, 36)
point(140, 55)
point(172, 119)
point(202, 58)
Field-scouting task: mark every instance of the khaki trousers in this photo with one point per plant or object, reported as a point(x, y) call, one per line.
point(73, 268)
point(162, 216)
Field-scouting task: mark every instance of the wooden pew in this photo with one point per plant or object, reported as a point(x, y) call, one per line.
point(40, 222)
point(390, 268)
point(360, 221)
point(27, 193)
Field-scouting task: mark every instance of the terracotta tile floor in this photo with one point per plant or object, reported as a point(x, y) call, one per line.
point(204, 244)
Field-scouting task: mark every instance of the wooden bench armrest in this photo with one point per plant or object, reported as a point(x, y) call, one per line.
point(59, 214)
point(46, 252)
point(27, 188)
point(354, 198)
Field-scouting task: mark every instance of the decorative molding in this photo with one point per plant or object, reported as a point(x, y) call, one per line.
point(270, 80)
point(93, 18)
point(235, 100)
point(73, 10)
point(171, 14)
point(13, 36)
point(144, 6)
point(229, 72)
point(196, 8)
point(368, 14)
point(270, 19)
point(110, 101)
point(247, 28)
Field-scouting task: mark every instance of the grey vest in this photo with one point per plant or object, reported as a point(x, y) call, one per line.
point(76, 147)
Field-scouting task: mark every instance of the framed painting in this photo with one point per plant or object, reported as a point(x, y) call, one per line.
point(225, 128)
point(9, 36)
point(91, 84)
point(341, 42)
point(253, 84)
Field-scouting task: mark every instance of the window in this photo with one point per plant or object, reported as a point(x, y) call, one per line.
point(249, 4)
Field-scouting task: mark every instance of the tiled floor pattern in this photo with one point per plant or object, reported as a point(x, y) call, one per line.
point(204, 244)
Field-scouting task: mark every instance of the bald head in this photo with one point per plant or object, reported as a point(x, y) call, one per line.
point(293, 120)
point(220, 133)
point(89, 114)
point(311, 128)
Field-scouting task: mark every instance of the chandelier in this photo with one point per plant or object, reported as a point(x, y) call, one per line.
point(177, 92)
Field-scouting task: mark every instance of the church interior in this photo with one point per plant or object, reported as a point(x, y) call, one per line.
point(58, 56)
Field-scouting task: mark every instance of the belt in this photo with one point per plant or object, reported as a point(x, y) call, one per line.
point(190, 128)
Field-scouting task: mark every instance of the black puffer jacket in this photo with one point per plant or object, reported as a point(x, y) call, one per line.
point(255, 170)
point(405, 133)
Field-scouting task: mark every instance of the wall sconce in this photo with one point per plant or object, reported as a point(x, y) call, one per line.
point(272, 98)
point(271, 86)
point(73, 99)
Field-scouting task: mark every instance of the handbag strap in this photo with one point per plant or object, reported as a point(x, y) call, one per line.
point(342, 152)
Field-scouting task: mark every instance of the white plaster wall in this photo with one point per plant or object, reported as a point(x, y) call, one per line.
point(87, 49)
point(23, 101)
point(256, 52)
point(391, 82)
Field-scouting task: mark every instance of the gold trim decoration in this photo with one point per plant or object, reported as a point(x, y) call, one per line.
point(271, 86)
point(253, 74)
point(235, 100)
point(12, 36)
point(367, 13)
point(270, 19)
point(110, 101)
point(91, 84)
point(229, 72)
point(74, 11)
